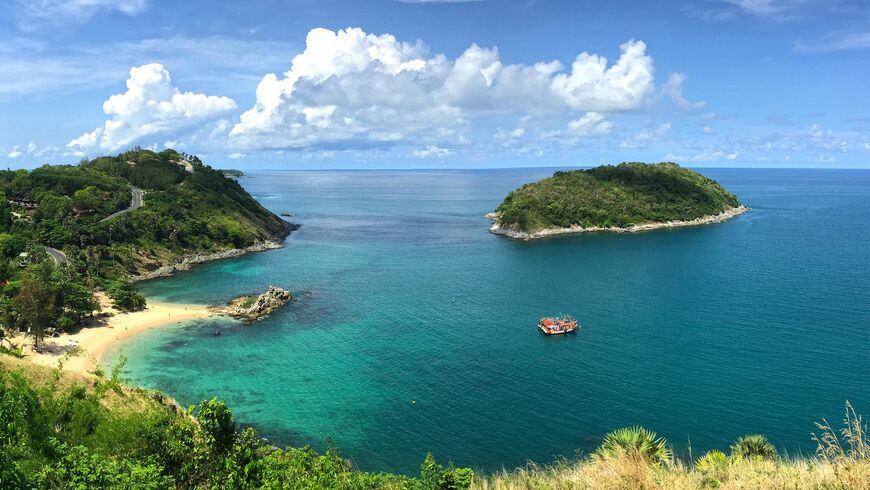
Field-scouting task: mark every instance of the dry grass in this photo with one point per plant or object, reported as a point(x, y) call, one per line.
point(627, 473)
point(842, 462)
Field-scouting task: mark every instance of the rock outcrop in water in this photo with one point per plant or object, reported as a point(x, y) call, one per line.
point(252, 308)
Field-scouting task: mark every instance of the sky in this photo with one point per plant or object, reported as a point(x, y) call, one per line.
point(321, 84)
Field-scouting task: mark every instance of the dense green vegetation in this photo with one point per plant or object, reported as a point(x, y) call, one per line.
point(59, 431)
point(614, 196)
point(188, 208)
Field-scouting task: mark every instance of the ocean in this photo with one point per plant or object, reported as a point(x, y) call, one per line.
point(415, 328)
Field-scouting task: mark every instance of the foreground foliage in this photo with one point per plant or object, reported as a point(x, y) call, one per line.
point(614, 196)
point(634, 458)
point(64, 431)
point(58, 433)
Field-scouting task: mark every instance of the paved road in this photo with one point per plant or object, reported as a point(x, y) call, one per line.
point(58, 256)
point(135, 203)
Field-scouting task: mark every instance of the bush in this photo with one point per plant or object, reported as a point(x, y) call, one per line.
point(635, 442)
point(753, 446)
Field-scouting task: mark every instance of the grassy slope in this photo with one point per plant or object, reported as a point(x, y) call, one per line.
point(632, 473)
point(838, 468)
point(622, 195)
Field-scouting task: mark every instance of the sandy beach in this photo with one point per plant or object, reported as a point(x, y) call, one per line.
point(93, 339)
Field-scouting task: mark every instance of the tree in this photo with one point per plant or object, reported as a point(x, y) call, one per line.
point(125, 297)
point(35, 305)
point(216, 420)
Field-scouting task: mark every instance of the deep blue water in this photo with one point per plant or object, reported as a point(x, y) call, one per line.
point(760, 324)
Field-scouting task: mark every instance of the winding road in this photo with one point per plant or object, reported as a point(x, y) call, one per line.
point(135, 203)
point(58, 256)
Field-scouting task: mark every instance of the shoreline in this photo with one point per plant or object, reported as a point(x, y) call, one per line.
point(81, 351)
point(88, 344)
point(188, 261)
point(512, 232)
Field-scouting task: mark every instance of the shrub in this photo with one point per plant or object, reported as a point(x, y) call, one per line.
point(635, 442)
point(753, 446)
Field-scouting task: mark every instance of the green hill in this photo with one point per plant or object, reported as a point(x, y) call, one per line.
point(188, 208)
point(107, 219)
point(614, 196)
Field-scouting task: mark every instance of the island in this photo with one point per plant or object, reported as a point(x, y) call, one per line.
point(628, 197)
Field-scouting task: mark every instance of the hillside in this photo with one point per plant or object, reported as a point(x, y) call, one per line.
point(623, 197)
point(187, 207)
point(69, 230)
point(64, 430)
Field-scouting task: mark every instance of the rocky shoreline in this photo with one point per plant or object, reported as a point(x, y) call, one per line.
point(513, 231)
point(188, 261)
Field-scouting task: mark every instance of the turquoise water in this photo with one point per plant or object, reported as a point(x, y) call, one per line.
point(760, 324)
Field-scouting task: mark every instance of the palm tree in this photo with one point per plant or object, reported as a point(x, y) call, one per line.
point(712, 460)
point(753, 446)
point(636, 442)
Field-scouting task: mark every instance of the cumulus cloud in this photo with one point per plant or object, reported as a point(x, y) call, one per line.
point(351, 88)
point(591, 124)
point(150, 106)
point(645, 137)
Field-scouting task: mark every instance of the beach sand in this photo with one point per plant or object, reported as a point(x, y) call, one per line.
point(101, 333)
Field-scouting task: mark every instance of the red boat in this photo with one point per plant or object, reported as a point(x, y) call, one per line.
point(558, 325)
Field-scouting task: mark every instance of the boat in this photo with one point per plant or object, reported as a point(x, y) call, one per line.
point(558, 325)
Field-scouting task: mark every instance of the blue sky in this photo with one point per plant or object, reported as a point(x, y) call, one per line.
point(438, 84)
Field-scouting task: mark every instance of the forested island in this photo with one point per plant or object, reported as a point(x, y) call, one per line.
point(620, 198)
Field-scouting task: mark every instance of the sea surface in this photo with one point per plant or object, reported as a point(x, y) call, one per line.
point(415, 328)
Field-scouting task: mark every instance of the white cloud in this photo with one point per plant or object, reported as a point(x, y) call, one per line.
point(708, 130)
point(673, 88)
point(350, 88)
point(592, 86)
point(432, 152)
point(591, 124)
point(645, 137)
point(150, 106)
point(33, 13)
point(32, 150)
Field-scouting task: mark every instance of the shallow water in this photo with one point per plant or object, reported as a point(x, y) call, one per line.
point(415, 328)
